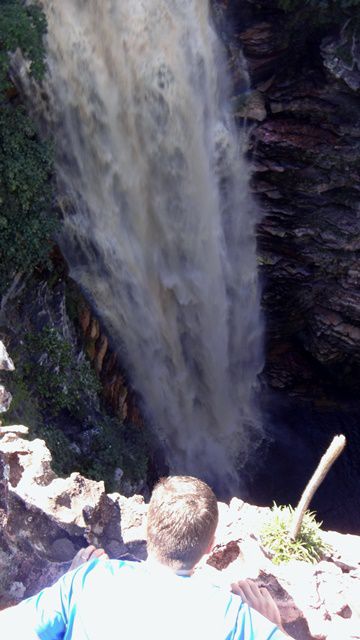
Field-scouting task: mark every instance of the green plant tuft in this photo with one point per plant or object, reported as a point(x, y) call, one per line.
point(309, 545)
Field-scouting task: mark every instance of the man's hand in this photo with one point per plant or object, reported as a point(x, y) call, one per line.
point(259, 599)
point(87, 554)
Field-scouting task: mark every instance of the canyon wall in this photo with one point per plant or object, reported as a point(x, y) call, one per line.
point(303, 114)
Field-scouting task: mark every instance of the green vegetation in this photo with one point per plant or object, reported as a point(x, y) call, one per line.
point(26, 409)
point(55, 390)
point(308, 546)
point(56, 394)
point(21, 27)
point(115, 445)
point(25, 195)
point(50, 380)
point(61, 380)
point(26, 220)
point(65, 459)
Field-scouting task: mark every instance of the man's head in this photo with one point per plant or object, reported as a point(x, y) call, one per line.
point(181, 522)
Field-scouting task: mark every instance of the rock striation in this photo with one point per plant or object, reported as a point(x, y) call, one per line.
point(303, 115)
point(116, 390)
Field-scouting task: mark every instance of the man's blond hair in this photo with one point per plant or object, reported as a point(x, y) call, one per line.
point(181, 522)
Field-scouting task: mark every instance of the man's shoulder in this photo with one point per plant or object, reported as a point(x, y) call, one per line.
point(99, 570)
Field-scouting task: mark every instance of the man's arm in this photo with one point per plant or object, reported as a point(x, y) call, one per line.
point(45, 615)
point(260, 600)
point(42, 616)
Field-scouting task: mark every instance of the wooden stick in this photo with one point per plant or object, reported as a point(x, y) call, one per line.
point(315, 481)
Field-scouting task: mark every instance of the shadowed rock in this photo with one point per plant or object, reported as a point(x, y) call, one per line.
point(6, 364)
point(45, 519)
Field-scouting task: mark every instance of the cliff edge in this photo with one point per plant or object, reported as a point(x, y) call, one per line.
point(45, 520)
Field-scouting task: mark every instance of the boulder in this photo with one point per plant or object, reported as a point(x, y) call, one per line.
point(5, 399)
point(342, 55)
point(6, 364)
point(45, 519)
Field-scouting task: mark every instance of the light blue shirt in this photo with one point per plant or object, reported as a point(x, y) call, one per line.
point(113, 599)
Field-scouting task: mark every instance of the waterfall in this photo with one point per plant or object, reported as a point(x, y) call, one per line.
point(158, 221)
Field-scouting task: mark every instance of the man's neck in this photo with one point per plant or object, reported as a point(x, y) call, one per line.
point(154, 564)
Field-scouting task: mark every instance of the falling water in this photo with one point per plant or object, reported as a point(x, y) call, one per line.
point(160, 231)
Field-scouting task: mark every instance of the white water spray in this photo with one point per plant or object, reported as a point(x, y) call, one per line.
point(160, 232)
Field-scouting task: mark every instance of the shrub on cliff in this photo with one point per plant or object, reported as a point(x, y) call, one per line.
point(56, 394)
point(60, 379)
point(26, 220)
point(275, 536)
point(21, 27)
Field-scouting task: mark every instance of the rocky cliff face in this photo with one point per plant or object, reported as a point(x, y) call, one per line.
point(301, 108)
point(303, 112)
point(82, 406)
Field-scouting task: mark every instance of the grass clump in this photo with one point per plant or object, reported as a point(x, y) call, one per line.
point(308, 546)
